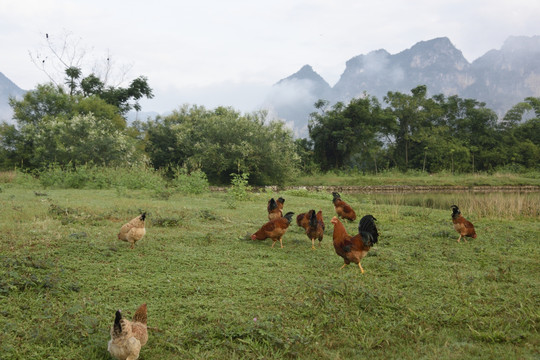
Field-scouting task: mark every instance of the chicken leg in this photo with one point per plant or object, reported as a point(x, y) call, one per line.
point(280, 242)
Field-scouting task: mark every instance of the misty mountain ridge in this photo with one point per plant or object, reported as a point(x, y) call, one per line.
point(500, 78)
point(8, 89)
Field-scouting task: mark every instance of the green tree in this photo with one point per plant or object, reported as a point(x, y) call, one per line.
point(520, 130)
point(304, 149)
point(349, 135)
point(411, 112)
point(220, 142)
point(78, 140)
point(370, 126)
point(73, 74)
point(475, 127)
point(53, 126)
point(47, 100)
point(9, 142)
point(124, 99)
point(333, 140)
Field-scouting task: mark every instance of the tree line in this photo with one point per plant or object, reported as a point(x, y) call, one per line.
point(85, 124)
point(416, 132)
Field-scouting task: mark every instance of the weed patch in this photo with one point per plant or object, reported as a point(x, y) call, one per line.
point(27, 274)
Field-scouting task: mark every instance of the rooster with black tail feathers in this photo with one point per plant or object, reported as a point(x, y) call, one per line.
point(355, 248)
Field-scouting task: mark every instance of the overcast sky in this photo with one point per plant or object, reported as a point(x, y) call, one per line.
point(216, 52)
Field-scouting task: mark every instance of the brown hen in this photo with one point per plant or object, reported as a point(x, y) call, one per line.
point(463, 226)
point(343, 210)
point(127, 337)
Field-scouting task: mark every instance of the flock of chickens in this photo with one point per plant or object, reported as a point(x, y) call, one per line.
point(350, 248)
point(127, 337)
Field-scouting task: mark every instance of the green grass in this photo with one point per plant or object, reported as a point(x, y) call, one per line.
point(213, 293)
point(416, 178)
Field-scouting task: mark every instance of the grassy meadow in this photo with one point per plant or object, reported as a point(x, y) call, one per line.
point(418, 178)
point(213, 293)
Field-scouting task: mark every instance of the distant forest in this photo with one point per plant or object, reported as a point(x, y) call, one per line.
point(84, 124)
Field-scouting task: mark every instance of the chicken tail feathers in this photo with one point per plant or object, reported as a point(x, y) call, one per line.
point(288, 216)
point(313, 221)
point(143, 216)
point(141, 314)
point(272, 204)
point(117, 328)
point(368, 230)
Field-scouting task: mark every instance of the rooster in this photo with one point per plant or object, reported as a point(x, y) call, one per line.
point(274, 212)
point(315, 227)
point(127, 337)
point(133, 231)
point(302, 219)
point(462, 225)
point(355, 248)
point(343, 210)
point(280, 202)
point(274, 229)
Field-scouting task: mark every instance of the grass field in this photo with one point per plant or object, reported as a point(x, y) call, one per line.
point(421, 178)
point(213, 293)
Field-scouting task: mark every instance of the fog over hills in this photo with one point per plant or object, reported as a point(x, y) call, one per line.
point(500, 78)
point(7, 89)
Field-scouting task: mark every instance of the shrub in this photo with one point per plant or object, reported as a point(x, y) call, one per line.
point(7, 177)
point(239, 189)
point(25, 180)
point(97, 177)
point(195, 182)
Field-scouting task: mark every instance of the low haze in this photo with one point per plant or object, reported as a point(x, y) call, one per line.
point(231, 52)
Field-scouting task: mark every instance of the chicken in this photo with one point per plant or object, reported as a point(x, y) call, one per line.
point(274, 212)
point(343, 209)
point(127, 337)
point(462, 225)
point(355, 248)
point(280, 202)
point(302, 219)
point(274, 229)
point(315, 227)
point(133, 231)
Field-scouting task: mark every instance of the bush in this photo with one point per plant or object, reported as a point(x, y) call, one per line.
point(195, 182)
point(239, 189)
point(138, 177)
point(25, 179)
point(95, 177)
point(7, 177)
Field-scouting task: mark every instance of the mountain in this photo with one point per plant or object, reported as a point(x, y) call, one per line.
point(435, 63)
point(296, 94)
point(8, 89)
point(500, 78)
point(507, 76)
